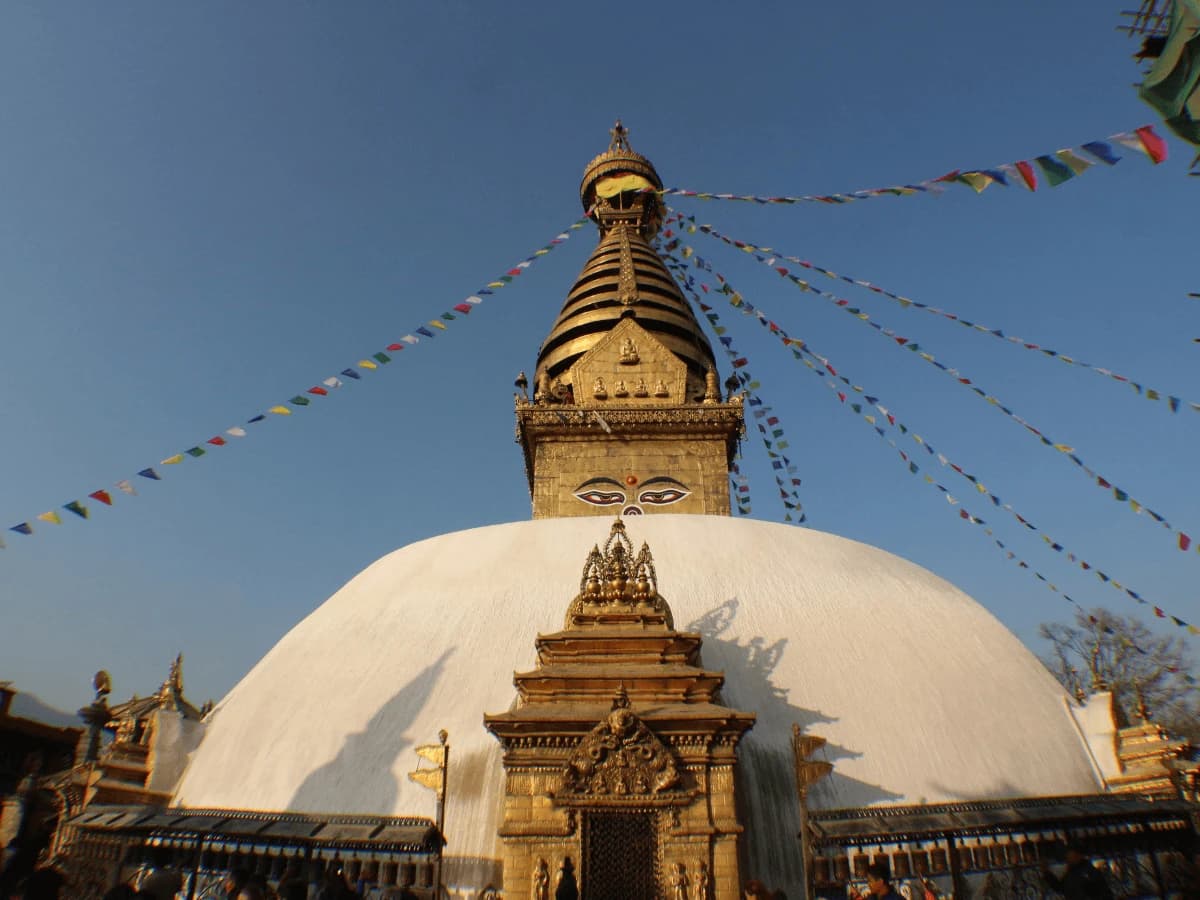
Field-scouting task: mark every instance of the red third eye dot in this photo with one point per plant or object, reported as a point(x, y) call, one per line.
point(631, 480)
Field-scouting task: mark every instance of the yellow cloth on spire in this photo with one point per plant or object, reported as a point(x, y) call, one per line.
point(619, 184)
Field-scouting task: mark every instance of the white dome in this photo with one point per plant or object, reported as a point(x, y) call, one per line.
point(923, 695)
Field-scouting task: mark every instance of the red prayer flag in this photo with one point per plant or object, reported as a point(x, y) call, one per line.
point(464, 308)
point(319, 391)
point(395, 347)
point(514, 272)
point(1158, 612)
point(949, 176)
point(1156, 147)
point(1028, 174)
point(103, 496)
point(217, 441)
point(1184, 541)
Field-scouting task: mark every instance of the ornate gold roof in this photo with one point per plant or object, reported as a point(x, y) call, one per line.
point(624, 277)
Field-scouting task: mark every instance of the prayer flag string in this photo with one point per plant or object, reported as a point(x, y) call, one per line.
point(767, 421)
point(368, 363)
point(801, 351)
point(1182, 539)
point(769, 257)
point(1057, 167)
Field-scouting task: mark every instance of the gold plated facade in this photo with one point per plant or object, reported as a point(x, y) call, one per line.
point(618, 754)
point(626, 414)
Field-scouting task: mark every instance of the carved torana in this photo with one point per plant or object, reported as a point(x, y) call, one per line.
point(621, 758)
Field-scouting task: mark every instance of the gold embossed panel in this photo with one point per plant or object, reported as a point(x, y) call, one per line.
point(629, 367)
point(632, 477)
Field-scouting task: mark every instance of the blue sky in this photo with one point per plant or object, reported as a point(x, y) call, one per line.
point(207, 208)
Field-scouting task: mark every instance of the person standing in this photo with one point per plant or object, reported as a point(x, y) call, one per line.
point(567, 888)
point(1081, 880)
point(879, 883)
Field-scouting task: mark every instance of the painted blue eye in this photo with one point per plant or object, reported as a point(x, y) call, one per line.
point(601, 498)
point(665, 497)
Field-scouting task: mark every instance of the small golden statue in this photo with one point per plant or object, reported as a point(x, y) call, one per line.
point(599, 391)
point(660, 388)
point(620, 390)
point(641, 390)
point(679, 882)
point(629, 352)
point(541, 881)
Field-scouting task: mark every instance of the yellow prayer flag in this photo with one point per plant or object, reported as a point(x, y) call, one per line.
point(435, 753)
point(1063, 448)
point(1192, 629)
point(173, 460)
point(495, 284)
point(51, 517)
point(977, 180)
point(436, 324)
point(430, 778)
point(981, 488)
point(367, 364)
point(280, 410)
point(1076, 164)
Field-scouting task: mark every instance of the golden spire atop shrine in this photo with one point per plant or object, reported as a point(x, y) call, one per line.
point(627, 413)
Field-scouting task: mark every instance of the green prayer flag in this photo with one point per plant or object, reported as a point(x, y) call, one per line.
point(300, 401)
point(382, 357)
point(1056, 171)
point(195, 451)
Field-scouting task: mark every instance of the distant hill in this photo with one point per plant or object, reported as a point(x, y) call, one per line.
point(28, 706)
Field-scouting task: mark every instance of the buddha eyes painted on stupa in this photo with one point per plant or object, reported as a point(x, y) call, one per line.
point(631, 494)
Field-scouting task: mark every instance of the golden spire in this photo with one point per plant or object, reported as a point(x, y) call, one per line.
point(625, 277)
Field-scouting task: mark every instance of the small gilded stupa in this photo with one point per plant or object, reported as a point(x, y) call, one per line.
point(626, 414)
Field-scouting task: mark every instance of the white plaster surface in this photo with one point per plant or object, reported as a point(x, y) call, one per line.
point(923, 695)
point(1098, 723)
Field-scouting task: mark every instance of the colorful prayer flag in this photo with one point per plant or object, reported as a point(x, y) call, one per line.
point(51, 516)
point(1056, 172)
point(78, 508)
point(104, 496)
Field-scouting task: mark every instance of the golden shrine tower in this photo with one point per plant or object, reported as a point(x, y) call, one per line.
point(626, 414)
point(619, 756)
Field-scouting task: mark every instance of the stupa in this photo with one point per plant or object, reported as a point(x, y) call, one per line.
point(713, 700)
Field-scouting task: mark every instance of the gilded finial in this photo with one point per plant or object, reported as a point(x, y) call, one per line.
point(621, 697)
point(620, 137)
point(617, 581)
point(102, 684)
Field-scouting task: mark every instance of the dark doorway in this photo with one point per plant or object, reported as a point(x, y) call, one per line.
point(620, 850)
